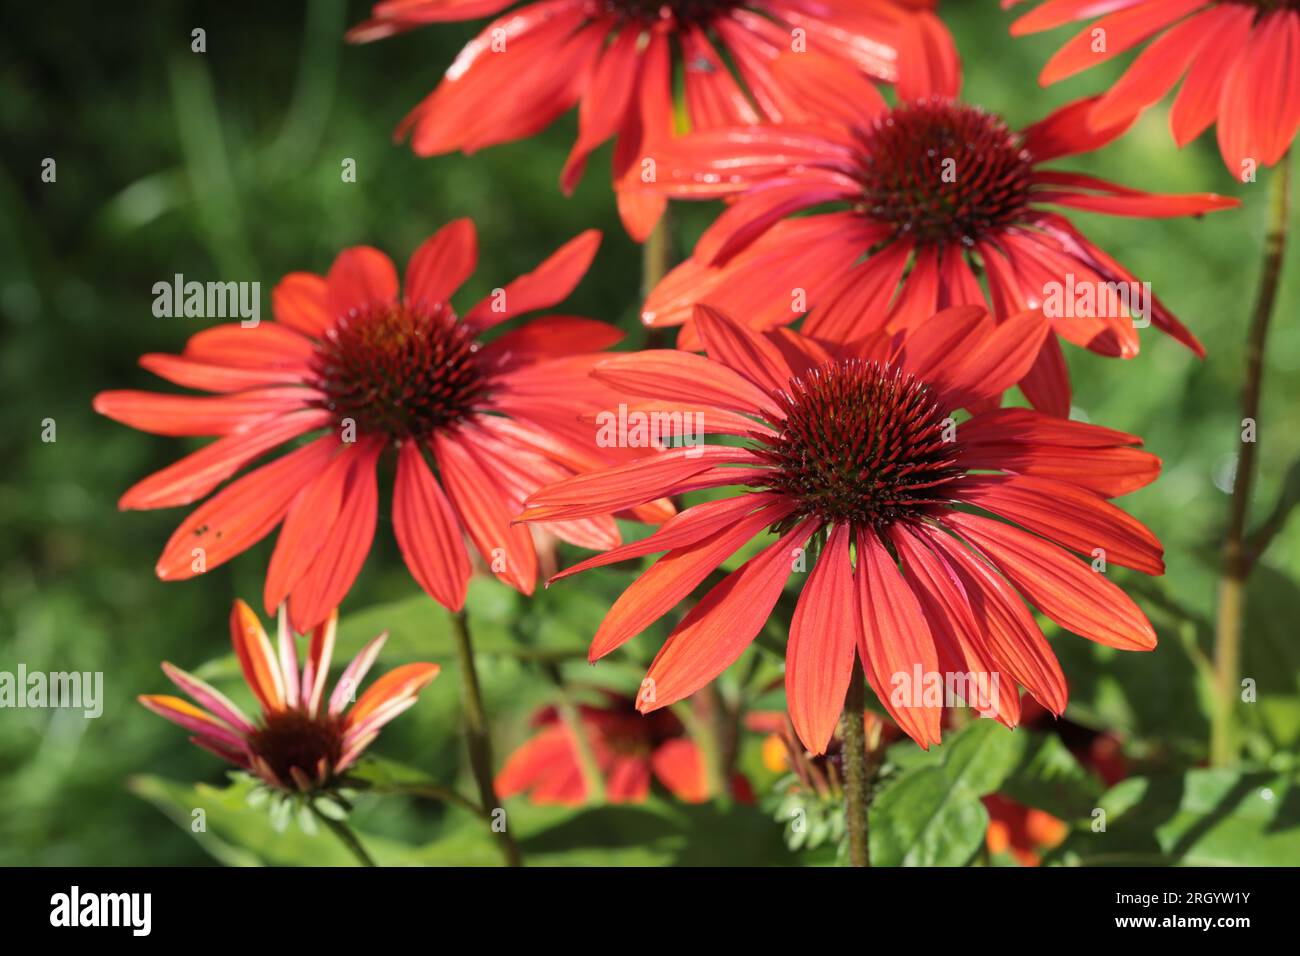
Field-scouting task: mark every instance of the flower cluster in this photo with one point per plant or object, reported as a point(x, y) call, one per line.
point(891, 261)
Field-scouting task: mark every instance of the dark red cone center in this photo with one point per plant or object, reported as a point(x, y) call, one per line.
point(940, 171)
point(861, 443)
point(293, 738)
point(400, 371)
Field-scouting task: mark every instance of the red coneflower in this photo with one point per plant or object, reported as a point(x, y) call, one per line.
point(628, 750)
point(1239, 61)
point(617, 60)
point(933, 194)
point(851, 450)
point(300, 743)
point(376, 368)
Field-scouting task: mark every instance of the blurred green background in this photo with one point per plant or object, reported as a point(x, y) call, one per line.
point(227, 165)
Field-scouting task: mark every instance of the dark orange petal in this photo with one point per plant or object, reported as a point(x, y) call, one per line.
point(401, 682)
point(1071, 516)
point(339, 561)
point(441, 264)
point(679, 766)
point(241, 514)
point(895, 645)
point(299, 300)
point(428, 535)
point(824, 635)
point(195, 475)
point(360, 276)
point(717, 630)
point(1010, 632)
point(1059, 584)
point(674, 576)
point(256, 658)
point(507, 548)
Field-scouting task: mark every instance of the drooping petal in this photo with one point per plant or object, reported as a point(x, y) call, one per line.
point(1197, 104)
point(895, 644)
point(824, 636)
point(428, 535)
point(1062, 587)
point(324, 584)
point(195, 475)
point(507, 548)
point(241, 514)
point(1159, 67)
point(674, 576)
point(1259, 108)
point(307, 524)
point(1010, 633)
point(1121, 31)
point(717, 630)
point(958, 640)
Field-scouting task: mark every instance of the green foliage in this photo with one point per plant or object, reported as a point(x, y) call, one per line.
point(931, 814)
point(1197, 818)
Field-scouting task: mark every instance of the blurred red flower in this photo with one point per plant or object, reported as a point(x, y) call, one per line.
point(1024, 832)
point(367, 367)
point(628, 749)
point(932, 195)
point(739, 61)
point(854, 448)
point(1239, 62)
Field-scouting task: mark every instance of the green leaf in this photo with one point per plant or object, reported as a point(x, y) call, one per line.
point(1198, 818)
point(931, 813)
point(656, 832)
point(1159, 699)
point(236, 833)
point(1050, 778)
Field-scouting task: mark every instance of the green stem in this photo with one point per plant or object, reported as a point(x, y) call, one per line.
point(346, 837)
point(430, 791)
point(568, 711)
point(656, 255)
point(477, 738)
point(856, 776)
point(1236, 559)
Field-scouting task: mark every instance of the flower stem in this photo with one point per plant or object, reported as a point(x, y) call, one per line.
point(346, 837)
point(856, 777)
point(572, 718)
point(656, 255)
point(477, 738)
point(1236, 559)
